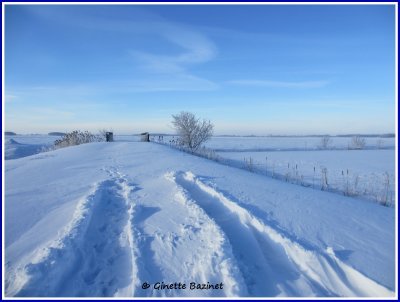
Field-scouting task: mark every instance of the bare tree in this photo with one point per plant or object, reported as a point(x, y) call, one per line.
point(357, 142)
point(379, 143)
point(192, 131)
point(325, 142)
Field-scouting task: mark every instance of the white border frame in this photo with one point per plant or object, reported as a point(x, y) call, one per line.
point(202, 3)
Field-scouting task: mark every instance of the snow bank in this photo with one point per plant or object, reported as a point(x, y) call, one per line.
point(26, 145)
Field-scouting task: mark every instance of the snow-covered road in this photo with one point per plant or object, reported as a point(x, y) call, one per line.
point(105, 219)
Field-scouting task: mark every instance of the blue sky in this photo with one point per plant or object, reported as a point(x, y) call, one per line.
point(264, 69)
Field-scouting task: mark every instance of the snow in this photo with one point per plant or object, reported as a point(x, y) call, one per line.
point(260, 143)
point(16, 147)
point(34, 139)
point(358, 172)
point(100, 219)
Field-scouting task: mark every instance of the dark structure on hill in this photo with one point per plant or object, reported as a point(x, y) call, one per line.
point(145, 137)
point(109, 137)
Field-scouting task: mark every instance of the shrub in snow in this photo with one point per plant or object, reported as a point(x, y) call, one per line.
point(379, 143)
point(76, 138)
point(192, 131)
point(357, 142)
point(352, 186)
point(324, 178)
point(325, 142)
point(248, 164)
point(386, 199)
point(207, 153)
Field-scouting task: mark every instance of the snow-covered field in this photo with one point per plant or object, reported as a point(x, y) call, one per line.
point(369, 174)
point(291, 143)
point(101, 219)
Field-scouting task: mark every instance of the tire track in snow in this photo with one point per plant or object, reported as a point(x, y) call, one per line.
point(95, 255)
point(144, 267)
point(147, 269)
point(271, 264)
point(210, 258)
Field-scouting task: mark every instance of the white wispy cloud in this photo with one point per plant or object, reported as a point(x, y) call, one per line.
point(279, 84)
point(176, 82)
point(191, 46)
point(172, 72)
point(10, 97)
point(196, 48)
point(34, 114)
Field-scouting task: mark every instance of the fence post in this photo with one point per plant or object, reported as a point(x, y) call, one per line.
point(109, 137)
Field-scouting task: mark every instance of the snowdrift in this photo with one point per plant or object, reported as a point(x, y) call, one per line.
point(14, 149)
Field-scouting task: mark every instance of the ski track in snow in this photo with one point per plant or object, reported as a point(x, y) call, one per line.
point(271, 264)
point(95, 256)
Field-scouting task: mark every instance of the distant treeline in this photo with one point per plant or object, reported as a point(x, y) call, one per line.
point(252, 135)
point(314, 135)
point(386, 135)
point(367, 135)
point(50, 133)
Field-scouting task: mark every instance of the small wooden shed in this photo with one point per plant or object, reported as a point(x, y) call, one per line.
point(145, 137)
